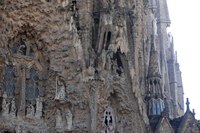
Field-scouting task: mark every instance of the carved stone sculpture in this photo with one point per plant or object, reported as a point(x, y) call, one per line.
point(30, 112)
point(68, 116)
point(13, 108)
point(5, 105)
point(59, 120)
point(155, 26)
point(60, 89)
point(39, 107)
point(121, 40)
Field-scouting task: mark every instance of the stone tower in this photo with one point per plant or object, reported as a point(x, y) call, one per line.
point(89, 66)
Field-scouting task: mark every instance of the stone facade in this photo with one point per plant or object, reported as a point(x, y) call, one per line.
point(89, 66)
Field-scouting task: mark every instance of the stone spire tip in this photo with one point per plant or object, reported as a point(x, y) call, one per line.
point(188, 104)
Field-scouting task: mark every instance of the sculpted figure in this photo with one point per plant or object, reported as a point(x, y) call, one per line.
point(59, 120)
point(39, 107)
point(121, 40)
point(60, 89)
point(155, 26)
point(5, 105)
point(69, 119)
point(77, 46)
point(30, 111)
point(13, 108)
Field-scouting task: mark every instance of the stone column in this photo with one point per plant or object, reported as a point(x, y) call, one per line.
point(22, 94)
point(39, 107)
point(93, 110)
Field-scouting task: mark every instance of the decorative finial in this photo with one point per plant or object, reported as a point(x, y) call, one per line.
point(188, 104)
point(193, 111)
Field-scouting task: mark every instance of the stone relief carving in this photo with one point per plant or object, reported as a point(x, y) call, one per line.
point(155, 27)
point(13, 108)
point(121, 41)
point(68, 117)
point(30, 111)
point(60, 89)
point(22, 47)
point(5, 105)
point(63, 120)
point(39, 107)
point(59, 120)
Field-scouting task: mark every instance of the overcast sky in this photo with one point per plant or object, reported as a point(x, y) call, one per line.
point(185, 27)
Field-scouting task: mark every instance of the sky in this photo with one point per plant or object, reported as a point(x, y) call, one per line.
point(185, 28)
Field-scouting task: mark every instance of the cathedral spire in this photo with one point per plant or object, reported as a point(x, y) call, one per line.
point(154, 65)
point(154, 89)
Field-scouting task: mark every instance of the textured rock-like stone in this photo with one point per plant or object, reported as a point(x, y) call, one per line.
point(86, 66)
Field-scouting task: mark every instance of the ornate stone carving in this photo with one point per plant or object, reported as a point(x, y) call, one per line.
point(13, 108)
point(121, 41)
point(155, 27)
point(39, 107)
point(68, 117)
point(5, 105)
point(60, 89)
point(59, 120)
point(30, 111)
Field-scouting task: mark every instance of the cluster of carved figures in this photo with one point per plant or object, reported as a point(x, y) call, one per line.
point(20, 80)
point(9, 108)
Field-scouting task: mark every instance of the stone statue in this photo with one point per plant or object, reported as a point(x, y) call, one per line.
point(68, 116)
point(13, 108)
point(77, 46)
point(109, 57)
point(103, 59)
point(155, 26)
point(72, 25)
point(30, 112)
point(39, 107)
point(59, 120)
point(5, 105)
point(121, 40)
point(60, 89)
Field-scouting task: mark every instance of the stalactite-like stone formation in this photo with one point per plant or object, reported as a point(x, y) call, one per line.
point(81, 66)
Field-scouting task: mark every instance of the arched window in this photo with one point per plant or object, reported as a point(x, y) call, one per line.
point(109, 120)
point(32, 91)
point(8, 82)
point(22, 47)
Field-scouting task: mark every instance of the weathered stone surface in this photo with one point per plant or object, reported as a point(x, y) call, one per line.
point(83, 66)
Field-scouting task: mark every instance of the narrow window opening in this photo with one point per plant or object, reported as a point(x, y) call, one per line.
point(108, 40)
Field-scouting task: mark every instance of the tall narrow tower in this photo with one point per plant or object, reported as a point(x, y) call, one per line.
point(154, 84)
